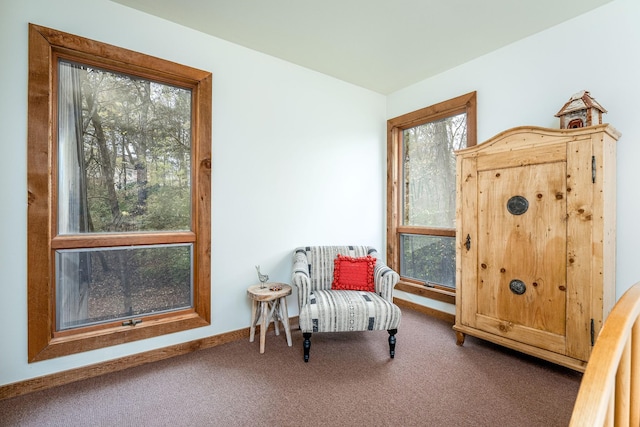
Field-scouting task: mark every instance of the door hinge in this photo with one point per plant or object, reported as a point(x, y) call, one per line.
point(593, 333)
point(593, 169)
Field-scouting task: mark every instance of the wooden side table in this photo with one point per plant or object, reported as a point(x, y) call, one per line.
point(267, 305)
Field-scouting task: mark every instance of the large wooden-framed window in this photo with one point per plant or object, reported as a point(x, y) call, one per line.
point(119, 192)
point(421, 192)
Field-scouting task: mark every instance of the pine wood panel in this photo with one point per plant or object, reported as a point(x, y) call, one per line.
point(532, 350)
point(604, 237)
point(520, 157)
point(467, 254)
point(580, 223)
point(562, 248)
point(522, 333)
point(529, 247)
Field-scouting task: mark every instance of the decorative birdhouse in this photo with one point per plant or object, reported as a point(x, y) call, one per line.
point(580, 111)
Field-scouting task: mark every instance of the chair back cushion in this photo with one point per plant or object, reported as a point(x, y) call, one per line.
point(321, 261)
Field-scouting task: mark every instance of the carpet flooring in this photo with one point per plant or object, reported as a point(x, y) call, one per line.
point(349, 381)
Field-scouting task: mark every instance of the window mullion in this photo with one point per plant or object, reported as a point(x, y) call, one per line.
point(110, 240)
point(426, 231)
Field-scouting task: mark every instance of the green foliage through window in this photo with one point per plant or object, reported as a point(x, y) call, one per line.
point(429, 259)
point(136, 137)
point(429, 167)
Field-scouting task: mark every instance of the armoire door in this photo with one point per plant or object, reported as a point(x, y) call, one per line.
point(520, 258)
point(535, 240)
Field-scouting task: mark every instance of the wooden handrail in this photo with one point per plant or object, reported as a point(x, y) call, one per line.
point(609, 393)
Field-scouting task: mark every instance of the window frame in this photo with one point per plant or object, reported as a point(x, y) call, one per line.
point(46, 45)
point(462, 104)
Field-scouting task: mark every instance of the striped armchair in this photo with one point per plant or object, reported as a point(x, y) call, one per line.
point(323, 309)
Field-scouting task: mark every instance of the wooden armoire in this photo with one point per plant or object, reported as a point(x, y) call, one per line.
point(535, 235)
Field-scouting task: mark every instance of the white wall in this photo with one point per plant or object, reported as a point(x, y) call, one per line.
point(298, 159)
point(527, 82)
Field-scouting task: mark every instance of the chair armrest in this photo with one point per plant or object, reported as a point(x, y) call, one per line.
point(300, 276)
point(385, 279)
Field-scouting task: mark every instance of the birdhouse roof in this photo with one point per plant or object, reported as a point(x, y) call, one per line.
point(580, 101)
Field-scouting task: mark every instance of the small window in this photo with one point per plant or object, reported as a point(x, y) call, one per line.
point(422, 192)
point(122, 219)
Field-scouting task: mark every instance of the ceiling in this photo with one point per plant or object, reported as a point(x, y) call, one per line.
point(382, 45)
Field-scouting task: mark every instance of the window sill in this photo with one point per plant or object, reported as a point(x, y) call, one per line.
point(95, 339)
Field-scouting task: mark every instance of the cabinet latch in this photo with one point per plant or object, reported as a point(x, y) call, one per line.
point(593, 169)
point(593, 333)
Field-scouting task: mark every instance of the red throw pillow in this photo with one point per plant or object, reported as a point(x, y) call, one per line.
point(355, 274)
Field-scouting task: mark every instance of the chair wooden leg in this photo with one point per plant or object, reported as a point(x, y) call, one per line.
point(306, 345)
point(392, 342)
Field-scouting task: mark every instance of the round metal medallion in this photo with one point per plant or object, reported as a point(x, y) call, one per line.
point(517, 287)
point(517, 205)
